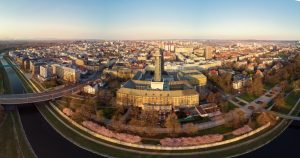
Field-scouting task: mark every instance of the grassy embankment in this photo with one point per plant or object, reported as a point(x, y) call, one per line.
point(12, 137)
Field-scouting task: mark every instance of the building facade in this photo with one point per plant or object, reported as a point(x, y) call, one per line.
point(157, 100)
point(66, 73)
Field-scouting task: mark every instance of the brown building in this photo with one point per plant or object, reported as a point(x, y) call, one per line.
point(208, 53)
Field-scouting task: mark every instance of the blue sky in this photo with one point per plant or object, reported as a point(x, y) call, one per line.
point(150, 19)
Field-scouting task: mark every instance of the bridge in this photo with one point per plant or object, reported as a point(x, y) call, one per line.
point(288, 117)
point(10, 99)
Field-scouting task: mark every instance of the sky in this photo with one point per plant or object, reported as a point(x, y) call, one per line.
point(150, 19)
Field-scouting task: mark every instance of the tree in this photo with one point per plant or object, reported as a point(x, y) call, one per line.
point(257, 87)
point(266, 117)
point(296, 84)
point(151, 118)
point(77, 116)
point(224, 107)
point(190, 128)
point(213, 97)
point(235, 118)
point(85, 111)
point(113, 102)
point(150, 131)
point(173, 123)
point(279, 101)
point(284, 85)
point(223, 81)
point(100, 115)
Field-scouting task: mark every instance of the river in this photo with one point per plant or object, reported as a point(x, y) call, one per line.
point(284, 146)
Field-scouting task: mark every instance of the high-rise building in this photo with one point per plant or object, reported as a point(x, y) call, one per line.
point(45, 71)
point(208, 53)
point(158, 65)
point(185, 50)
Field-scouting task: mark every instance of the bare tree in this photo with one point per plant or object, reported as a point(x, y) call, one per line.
point(266, 117)
point(279, 101)
point(173, 123)
point(235, 118)
point(213, 97)
point(190, 128)
point(257, 87)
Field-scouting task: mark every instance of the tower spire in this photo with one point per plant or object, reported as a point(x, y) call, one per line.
point(158, 65)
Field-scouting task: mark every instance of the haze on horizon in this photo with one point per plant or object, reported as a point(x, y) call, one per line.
point(150, 19)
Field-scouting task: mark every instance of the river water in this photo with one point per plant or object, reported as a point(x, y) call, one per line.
point(47, 143)
point(284, 146)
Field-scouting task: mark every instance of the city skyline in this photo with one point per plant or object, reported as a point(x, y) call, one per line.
point(136, 20)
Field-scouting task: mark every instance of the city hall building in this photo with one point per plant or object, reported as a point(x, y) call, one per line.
point(158, 90)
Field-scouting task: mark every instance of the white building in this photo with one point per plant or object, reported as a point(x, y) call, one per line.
point(46, 72)
point(66, 73)
point(91, 89)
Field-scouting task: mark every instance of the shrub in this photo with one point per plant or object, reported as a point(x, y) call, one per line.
point(242, 130)
point(191, 141)
point(108, 133)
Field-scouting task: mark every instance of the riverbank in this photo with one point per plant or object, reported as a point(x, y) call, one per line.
point(12, 137)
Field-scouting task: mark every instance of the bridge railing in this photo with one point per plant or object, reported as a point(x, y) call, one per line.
point(37, 97)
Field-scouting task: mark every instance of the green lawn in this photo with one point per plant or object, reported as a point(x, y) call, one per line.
point(12, 139)
point(248, 97)
point(292, 98)
point(215, 130)
point(270, 104)
point(290, 101)
point(1, 85)
point(9, 147)
point(194, 119)
point(231, 106)
point(24, 144)
point(3, 80)
point(268, 86)
point(108, 112)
